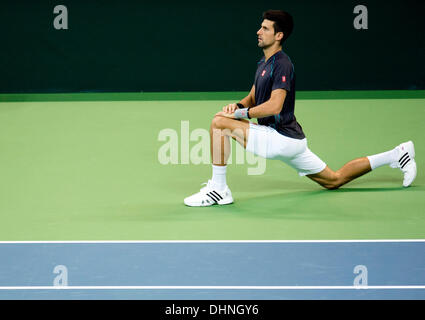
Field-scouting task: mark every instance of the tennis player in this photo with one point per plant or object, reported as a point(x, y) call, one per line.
point(278, 135)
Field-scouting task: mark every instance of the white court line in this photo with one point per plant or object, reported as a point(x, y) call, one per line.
point(212, 287)
point(207, 241)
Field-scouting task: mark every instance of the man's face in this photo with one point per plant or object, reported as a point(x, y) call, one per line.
point(266, 36)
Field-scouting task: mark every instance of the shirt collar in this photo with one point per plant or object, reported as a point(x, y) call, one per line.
point(277, 54)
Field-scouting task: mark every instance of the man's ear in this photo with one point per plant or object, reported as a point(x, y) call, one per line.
point(279, 36)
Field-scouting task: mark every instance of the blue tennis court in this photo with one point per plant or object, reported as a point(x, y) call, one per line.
point(227, 270)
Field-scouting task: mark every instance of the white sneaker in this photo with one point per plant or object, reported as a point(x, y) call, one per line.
point(209, 196)
point(406, 162)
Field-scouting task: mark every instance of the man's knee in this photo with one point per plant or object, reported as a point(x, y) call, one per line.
point(331, 185)
point(334, 183)
point(218, 122)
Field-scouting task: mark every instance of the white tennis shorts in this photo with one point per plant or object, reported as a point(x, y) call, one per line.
point(266, 142)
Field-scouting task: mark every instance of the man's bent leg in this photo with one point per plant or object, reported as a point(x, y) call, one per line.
point(216, 191)
point(221, 129)
point(334, 179)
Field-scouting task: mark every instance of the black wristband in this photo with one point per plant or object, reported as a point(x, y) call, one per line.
point(247, 113)
point(240, 105)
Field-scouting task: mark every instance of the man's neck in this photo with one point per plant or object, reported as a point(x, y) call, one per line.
point(268, 52)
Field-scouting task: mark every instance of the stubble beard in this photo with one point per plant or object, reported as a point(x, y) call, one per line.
point(263, 46)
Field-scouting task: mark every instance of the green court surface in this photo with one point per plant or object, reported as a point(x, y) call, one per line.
point(88, 169)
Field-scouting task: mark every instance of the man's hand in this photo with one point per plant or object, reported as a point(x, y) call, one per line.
point(226, 114)
point(228, 111)
point(230, 108)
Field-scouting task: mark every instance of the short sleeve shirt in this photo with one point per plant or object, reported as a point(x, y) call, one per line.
point(278, 73)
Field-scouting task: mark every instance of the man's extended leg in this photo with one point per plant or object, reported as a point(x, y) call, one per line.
point(334, 179)
point(401, 157)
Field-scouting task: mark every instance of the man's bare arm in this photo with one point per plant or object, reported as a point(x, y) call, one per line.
point(249, 100)
point(271, 107)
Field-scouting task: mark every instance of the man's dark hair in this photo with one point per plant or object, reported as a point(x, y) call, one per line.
point(283, 22)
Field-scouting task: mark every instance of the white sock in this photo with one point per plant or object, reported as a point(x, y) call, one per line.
point(384, 158)
point(219, 177)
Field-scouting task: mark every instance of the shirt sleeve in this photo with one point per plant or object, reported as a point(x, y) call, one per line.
point(282, 76)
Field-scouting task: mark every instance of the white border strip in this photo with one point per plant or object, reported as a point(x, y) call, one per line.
point(421, 287)
point(207, 241)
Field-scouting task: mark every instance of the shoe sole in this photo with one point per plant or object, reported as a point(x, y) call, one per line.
point(414, 177)
point(410, 148)
point(220, 203)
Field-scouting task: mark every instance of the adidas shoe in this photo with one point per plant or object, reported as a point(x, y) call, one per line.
point(406, 162)
point(209, 196)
